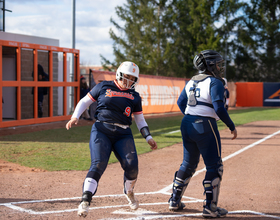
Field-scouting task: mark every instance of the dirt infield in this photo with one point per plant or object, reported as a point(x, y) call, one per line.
point(250, 187)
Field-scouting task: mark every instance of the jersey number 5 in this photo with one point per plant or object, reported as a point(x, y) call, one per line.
point(127, 111)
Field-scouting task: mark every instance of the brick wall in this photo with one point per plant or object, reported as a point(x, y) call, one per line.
point(27, 100)
point(26, 92)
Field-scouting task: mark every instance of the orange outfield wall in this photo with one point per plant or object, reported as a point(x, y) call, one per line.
point(159, 94)
point(249, 94)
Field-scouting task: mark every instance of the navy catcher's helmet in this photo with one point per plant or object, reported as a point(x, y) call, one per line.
point(211, 61)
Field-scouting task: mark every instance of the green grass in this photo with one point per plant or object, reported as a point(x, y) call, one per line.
point(59, 149)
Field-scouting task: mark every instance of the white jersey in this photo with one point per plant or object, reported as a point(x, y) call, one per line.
point(203, 96)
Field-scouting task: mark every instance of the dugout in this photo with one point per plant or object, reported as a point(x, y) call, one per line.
point(19, 83)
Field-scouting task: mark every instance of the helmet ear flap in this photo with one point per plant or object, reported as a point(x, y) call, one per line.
point(199, 63)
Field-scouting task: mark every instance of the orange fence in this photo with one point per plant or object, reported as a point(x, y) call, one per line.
point(25, 55)
point(249, 94)
point(159, 94)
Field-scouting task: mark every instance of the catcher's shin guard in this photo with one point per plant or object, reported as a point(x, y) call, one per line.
point(212, 190)
point(179, 188)
point(211, 184)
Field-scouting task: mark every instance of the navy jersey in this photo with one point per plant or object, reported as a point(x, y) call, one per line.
point(114, 104)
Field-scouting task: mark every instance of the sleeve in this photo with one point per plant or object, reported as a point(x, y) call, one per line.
point(82, 105)
point(138, 107)
point(217, 96)
point(141, 123)
point(183, 100)
point(94, 92)
point(227, 92)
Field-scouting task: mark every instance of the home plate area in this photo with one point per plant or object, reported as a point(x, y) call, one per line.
point(117, 208)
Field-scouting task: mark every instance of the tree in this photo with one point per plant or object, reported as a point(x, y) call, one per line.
point(257, 54)
point(228, 15)
point(191, 31)
point(162, 36)
point(143, 39)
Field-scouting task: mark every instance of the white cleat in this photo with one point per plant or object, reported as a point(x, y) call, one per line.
point(132, 201)
point(83, 209)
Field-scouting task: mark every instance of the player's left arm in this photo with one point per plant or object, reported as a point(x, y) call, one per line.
point(217, 92)
point(144, 130)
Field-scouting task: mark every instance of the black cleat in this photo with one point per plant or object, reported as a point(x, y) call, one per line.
point(175, 205)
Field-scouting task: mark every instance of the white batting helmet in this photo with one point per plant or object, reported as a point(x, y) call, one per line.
point(128, 68)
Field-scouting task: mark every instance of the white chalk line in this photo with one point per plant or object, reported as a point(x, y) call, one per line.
point(172, 132)
point(12, 205)
point(77, 198)
point(144, 214)
point(165, 190)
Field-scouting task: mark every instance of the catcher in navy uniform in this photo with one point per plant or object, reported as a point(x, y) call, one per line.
point(116, 102)
point(202, 103)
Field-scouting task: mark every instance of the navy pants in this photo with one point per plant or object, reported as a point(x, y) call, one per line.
point(200, 136)
point(106, 138)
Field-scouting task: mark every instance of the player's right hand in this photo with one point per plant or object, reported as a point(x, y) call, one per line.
point(234, 134)
point(153, 144)
point(72, 121)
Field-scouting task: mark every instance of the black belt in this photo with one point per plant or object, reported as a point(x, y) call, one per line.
point(205, 104)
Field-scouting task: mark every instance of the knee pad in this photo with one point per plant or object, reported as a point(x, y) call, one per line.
point(130, 166)
point(131, 172)
point(215, 170)
point(184, 173)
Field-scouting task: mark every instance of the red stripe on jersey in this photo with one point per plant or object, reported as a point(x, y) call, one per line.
point(89, 95)
point(138, 113)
